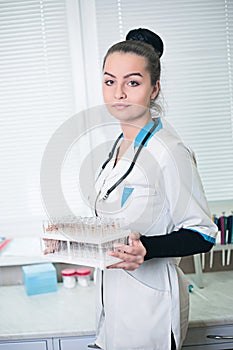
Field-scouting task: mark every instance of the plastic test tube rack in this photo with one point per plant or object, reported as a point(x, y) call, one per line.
point(83, 241)
point(224, 242)
point(226, 253)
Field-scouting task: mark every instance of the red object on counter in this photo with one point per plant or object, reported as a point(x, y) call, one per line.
point(68, 272)
point(4, 243)
point(83, 271)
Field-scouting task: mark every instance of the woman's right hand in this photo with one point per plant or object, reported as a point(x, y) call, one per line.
point(132, 255)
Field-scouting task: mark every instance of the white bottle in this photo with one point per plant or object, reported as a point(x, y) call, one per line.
point(84, 276)
point(69, 279)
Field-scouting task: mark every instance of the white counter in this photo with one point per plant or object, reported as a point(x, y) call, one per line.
point(67, 312)
point(212, 305)
point(20, 251)
point(71, 312)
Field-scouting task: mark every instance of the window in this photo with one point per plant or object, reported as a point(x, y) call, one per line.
point(36, 93)
point(50, 64)
point(196, 74)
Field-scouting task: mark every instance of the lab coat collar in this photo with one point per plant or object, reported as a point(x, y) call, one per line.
point(142, 133)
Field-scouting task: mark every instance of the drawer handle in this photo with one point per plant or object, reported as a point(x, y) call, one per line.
point(220, 336)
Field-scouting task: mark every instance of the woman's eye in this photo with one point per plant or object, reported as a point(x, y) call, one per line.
point(109, 82)
point(133, 83)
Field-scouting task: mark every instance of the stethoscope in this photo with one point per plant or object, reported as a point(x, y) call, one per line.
point(110, 156)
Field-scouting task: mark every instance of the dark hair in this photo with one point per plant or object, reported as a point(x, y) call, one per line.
point(149, 37)
point(145, 43)
point(142, 42)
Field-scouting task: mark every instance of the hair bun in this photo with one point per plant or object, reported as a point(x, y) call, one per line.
point(147, 36)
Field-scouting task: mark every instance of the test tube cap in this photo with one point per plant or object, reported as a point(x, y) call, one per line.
point(68, 272)
point(83, 271)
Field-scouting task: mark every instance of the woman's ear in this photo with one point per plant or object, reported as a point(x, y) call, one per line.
point(155, 90)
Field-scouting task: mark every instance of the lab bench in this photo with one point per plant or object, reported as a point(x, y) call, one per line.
point(65, 320)
point(62, 320)
point(211, 313)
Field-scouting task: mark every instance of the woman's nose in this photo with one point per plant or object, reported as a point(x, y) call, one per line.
point(120, 93)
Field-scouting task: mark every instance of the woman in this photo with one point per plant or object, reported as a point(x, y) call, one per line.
point(150, 179)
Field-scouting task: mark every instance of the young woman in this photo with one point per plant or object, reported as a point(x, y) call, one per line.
point(152, 181)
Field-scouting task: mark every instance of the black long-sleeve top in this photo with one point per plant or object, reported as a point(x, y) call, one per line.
point(176, 244)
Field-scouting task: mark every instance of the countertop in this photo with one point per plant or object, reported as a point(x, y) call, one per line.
point(71, 312)
point(20, 251)
point(213, 304)
point(67, 312)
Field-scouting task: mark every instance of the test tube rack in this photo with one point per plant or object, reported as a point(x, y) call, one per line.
point(83, 243)
point(224, 239)
point(226, 250)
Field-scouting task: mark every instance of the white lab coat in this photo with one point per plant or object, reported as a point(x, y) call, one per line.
point(162, 194)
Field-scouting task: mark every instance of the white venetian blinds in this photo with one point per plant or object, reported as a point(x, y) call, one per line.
point(49, 70)
point(197, 80)
point(36, 93)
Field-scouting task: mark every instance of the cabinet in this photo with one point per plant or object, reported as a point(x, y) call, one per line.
point(73, 343)
point(68, 343)
point(213, 338)
point(196, 340)
point(210, 347)
point(40, 344)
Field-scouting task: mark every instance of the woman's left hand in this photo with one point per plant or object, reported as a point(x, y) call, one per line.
point(132, 255)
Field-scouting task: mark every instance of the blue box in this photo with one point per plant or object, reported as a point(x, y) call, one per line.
point(39, 278)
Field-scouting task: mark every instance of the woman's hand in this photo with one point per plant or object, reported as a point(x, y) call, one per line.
point(51, 246)
point(132, 254)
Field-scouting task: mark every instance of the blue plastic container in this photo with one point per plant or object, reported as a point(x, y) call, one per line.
point(39, 278)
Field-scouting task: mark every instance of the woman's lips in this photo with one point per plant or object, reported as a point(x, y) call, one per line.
point(120, 106)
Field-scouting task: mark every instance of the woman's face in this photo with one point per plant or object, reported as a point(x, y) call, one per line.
point(127, 89)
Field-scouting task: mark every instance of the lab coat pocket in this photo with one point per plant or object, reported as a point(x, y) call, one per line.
point(143, 207)
point(144, 317)
point(131, 194)
point(146, 191)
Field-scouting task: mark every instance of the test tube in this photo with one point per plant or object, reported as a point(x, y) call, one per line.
point(98, 228)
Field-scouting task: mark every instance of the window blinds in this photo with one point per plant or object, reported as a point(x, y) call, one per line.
point(196, 74)
point(36, 94)
point(48, 70)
